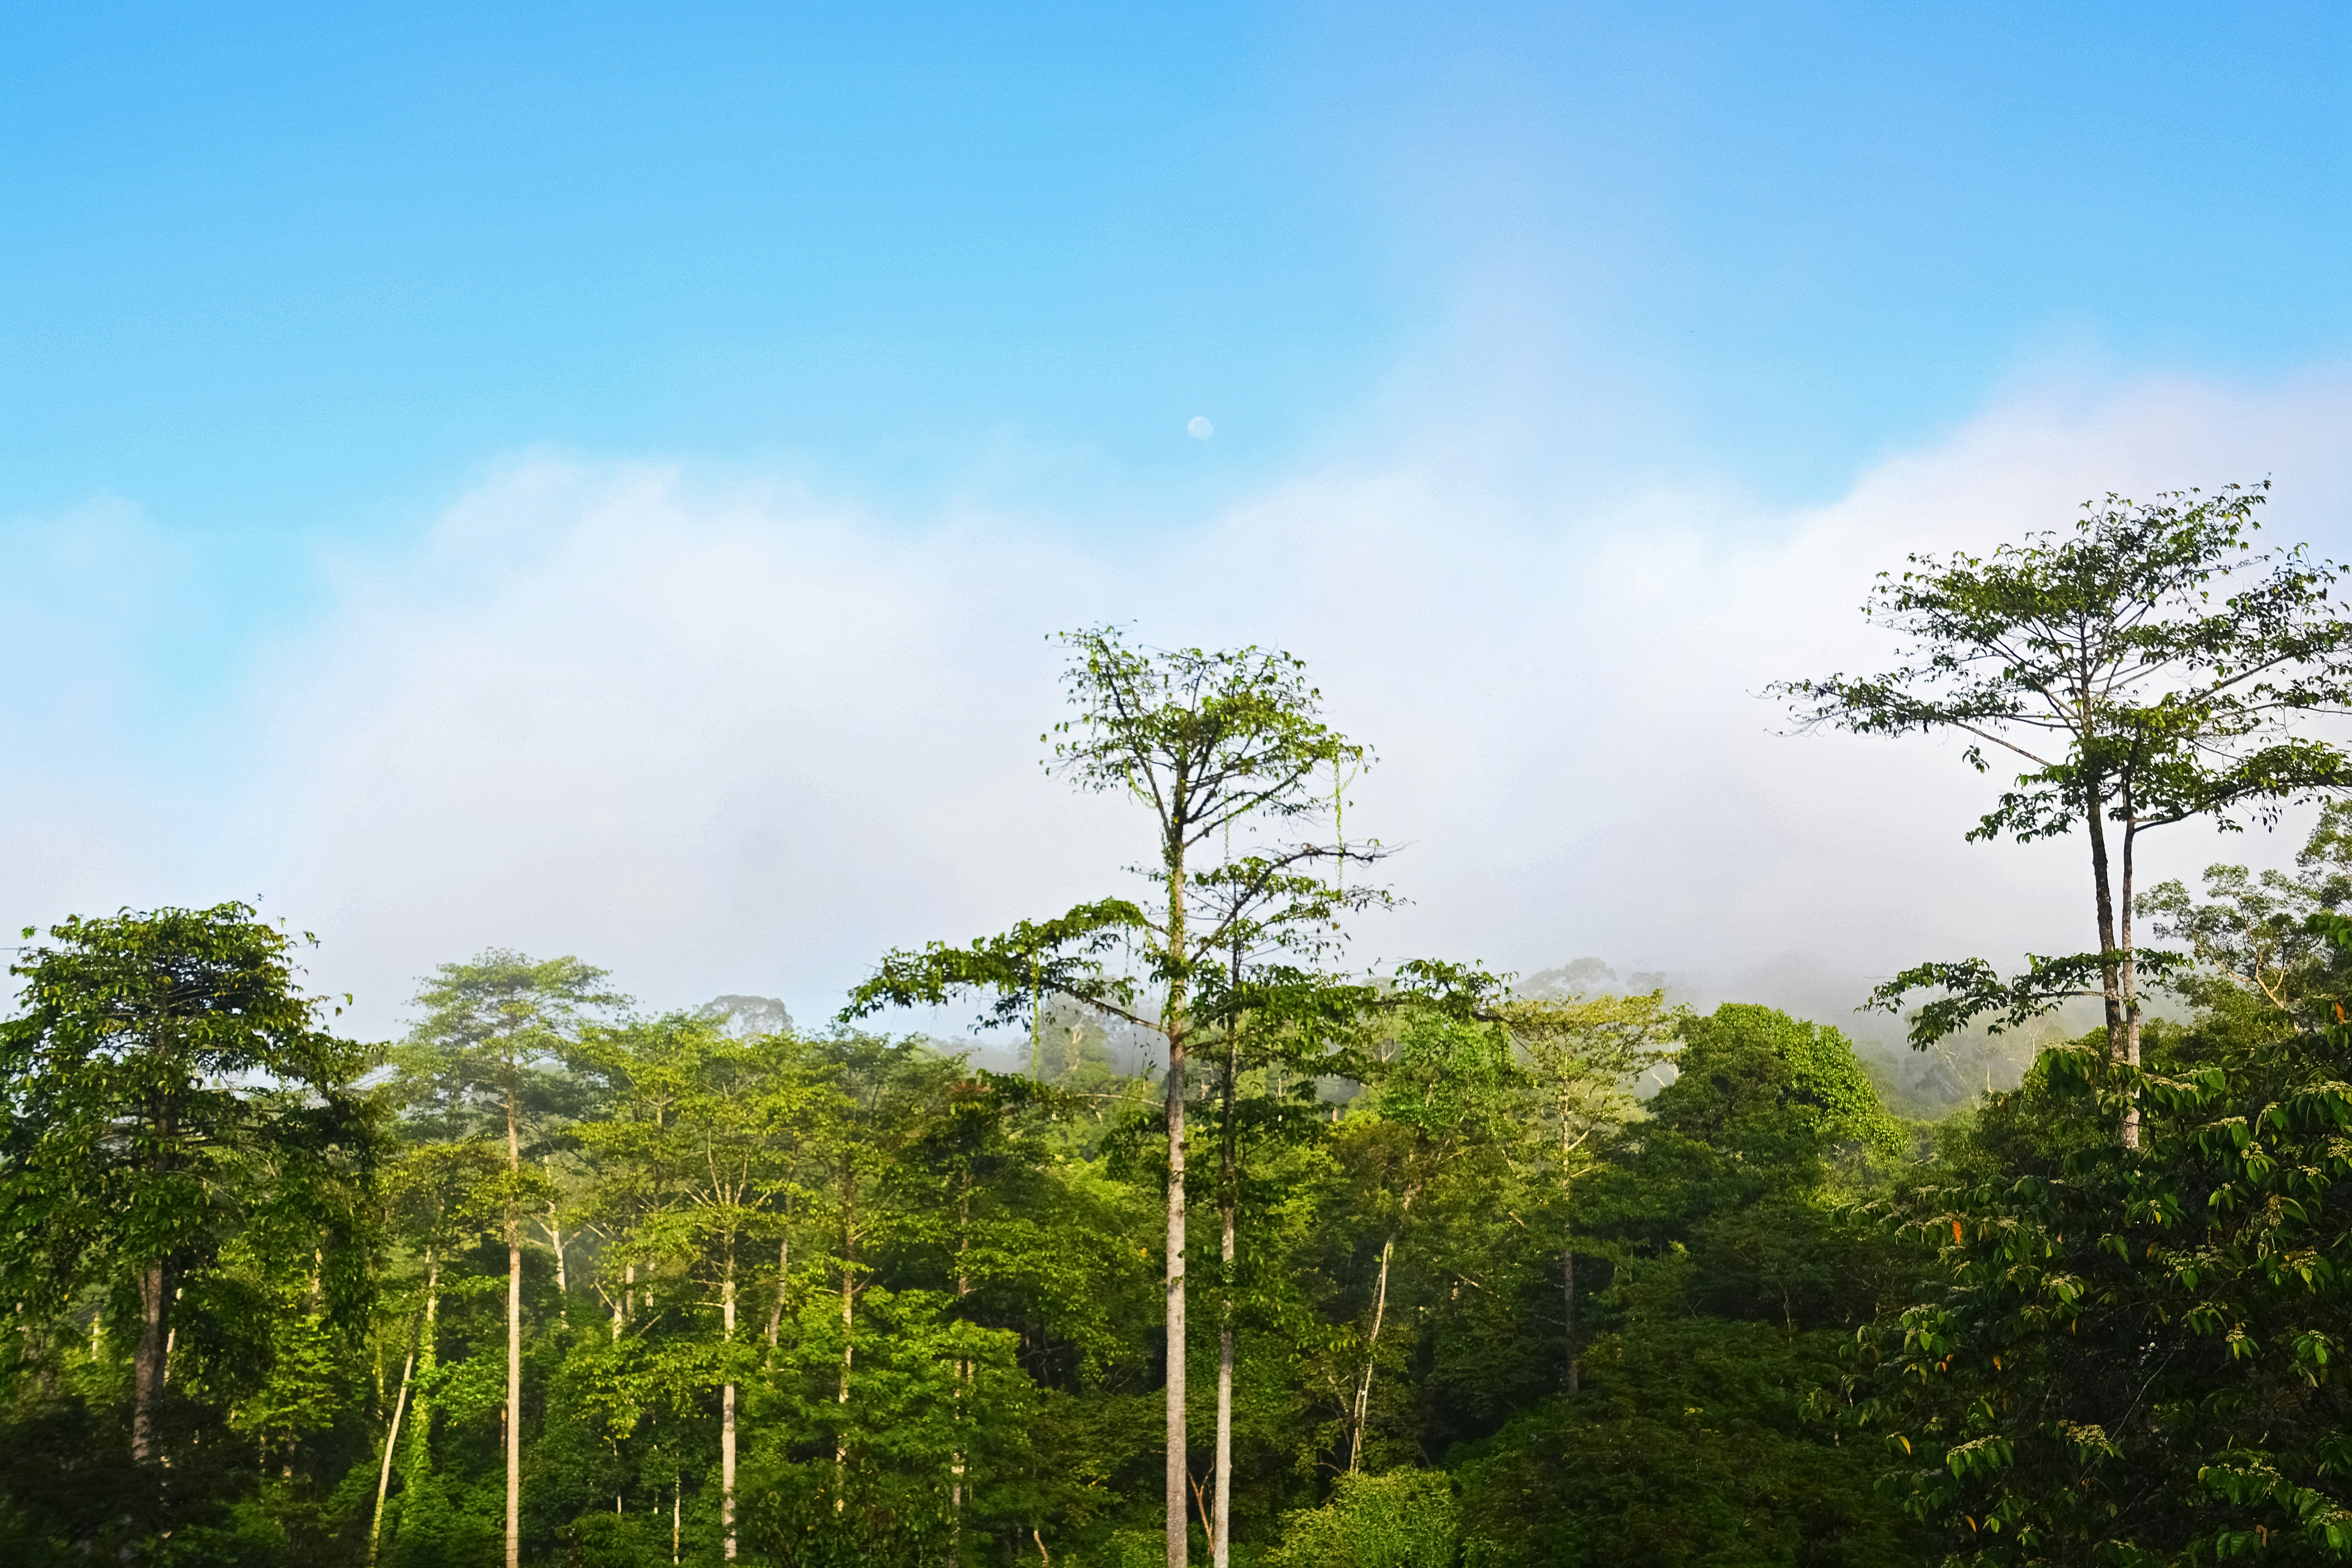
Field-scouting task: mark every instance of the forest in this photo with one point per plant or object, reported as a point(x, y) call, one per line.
point(1210, 1245)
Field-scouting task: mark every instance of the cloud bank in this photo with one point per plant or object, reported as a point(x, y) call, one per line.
point(732, 736)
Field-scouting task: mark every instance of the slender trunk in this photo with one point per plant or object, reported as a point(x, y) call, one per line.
point(2103, 893)
point(399, 1406)
point(1568, 1239)
point(151, 1358)
point(963, 1376)
point(776, 1313)
point(1228, 1200)
point(555, 1242)
point(727, 1416)
point(1364, 1387)
point(677, 1513)
point(848, 1353)
point(514, 1345)
point(2130, 976)
point(1179, 1472)
point(2121, 1042)
point(427, 1359)
point(1218, 1533)
point(1568, 1289)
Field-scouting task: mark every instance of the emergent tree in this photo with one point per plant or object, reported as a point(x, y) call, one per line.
point(481, 1058)
point(2147, 667)
point(1210, 741)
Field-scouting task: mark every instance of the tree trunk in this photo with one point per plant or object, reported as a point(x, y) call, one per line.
point(2122, 1041)
point(1568, 1236)
point(2103, 895)
point(391, 1446)
point(555, 1243)
point(727, 1418)
point(776, 1313)
point(427, 1359)
point(1567, 1293)
point(1228, 1201)
point(2130, 976)
point(963, 1377)
point(848, 1353)
point(1180, 1471)
point(1219, 1534)
point(1364, 1388)
point(514, 1347)
point(391, 1438)
point(150, 1359)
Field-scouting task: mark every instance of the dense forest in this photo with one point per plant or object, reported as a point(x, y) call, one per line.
point(1212, 1244)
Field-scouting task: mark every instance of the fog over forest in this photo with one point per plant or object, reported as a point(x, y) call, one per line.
point(1489, 785)
point(729, 735)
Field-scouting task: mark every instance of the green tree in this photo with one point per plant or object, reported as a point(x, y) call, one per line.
point(485, 1054)
point(1732, 1276)
point(1582, 1057)
point(704, 1180)
point(2135, 1357)
point(1438, 1089)
point(435, 1194)
point(1208, 741)
point(2255, 935)
point(2146, 667)
point(169, 1095)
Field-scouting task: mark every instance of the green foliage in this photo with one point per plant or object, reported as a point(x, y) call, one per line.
point(2146, 667)
point(2132, 1357)
point(1405, 1518)
point(1690, 1446)
point(943, 1288)
point(2106, 639)
point(1773, 1092)
point(170, 1098)
point(830, 1299)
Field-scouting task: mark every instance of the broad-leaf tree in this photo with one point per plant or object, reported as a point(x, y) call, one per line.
point(1438, 1089)
point(2136, 1357)
point(716, 1163)
point(2144, 668)
point(168, 1089)
point(1209, 742)
point(1581, 1059)
point(482, 1057)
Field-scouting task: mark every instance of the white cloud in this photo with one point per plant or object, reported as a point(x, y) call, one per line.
point(736, 738)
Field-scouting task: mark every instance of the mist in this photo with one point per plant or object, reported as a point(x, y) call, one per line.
point(726, 734)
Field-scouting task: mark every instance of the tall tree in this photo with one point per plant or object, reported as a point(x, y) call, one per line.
point(2145, 667)
point(1208, 741)
point(483, 1057)
point(166, 1086)
point(1273, 1022)
point(714, 1160)
point(1437, 1090)
point(436, 1192)
point(1582, 1057)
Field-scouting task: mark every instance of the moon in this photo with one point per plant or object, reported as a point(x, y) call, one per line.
point(1198, 429)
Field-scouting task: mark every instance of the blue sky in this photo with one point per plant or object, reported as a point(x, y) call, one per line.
point(283, 271)
point(283, 290)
